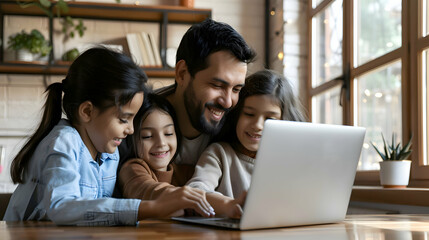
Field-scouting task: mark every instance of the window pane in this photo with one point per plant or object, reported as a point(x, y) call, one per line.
point(327, 62)
point(377, 28)
point(326, 107)
point(316, 3)
point(425, 105)
point(425, 17)
point(378, 105)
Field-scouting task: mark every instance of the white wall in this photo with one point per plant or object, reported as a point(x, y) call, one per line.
point(21, 96)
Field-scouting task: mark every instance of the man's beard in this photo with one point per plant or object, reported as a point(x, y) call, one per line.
point(195, 112)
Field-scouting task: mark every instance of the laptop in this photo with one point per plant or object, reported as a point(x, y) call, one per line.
point(303, 175)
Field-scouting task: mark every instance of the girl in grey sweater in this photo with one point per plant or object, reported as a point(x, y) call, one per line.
point(225, 168)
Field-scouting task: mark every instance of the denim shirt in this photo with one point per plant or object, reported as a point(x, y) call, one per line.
point(65, 185)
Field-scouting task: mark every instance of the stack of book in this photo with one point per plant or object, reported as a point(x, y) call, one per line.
point(144, 50)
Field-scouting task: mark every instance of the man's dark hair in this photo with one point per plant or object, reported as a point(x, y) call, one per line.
point(208, 37)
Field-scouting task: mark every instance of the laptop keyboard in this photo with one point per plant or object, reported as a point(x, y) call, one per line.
point(225, 220)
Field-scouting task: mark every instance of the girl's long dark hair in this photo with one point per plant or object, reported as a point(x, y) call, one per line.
point(264, 82)
point(104, 77)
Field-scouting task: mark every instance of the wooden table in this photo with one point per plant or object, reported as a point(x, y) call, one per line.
point(358, 227)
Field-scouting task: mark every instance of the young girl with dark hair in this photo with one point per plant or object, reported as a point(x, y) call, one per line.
point(149, 172)
point(67, 169)
point(225, 168)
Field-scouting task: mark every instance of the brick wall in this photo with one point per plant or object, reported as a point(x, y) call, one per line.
point(296, 44)
point(288, 34)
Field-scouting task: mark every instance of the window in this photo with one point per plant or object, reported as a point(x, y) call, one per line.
point(372, 57)
point(327, 63)
point(326, 108)
point(378, 109)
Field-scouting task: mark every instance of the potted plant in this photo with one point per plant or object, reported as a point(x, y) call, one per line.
point(70, 55)
point(29, 46)
point(70, 26)
point(394, 167)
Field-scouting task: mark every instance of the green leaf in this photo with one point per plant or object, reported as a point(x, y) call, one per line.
point(46, 10)
point(396, 151)
point(45, 3)
point(386, 152)
point(393, 155)
point(404, 155)
point(37, 34)
point(69, 20)
point(58, 12)
point(378, 151)
point(408, 145)
point(63, 6)
point(26, 4)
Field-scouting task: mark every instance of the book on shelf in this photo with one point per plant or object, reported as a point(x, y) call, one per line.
point(134, 48)
point(143, 50)
point(155, 50)
point(148, 49)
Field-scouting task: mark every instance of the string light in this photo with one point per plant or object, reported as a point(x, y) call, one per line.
point(367, 92)
point(273, 12)
point(280, 55)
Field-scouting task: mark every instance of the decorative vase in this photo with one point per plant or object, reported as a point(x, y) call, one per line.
point(187, 3)
point(395, 174)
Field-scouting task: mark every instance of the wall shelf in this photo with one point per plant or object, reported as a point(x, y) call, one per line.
point(116, 11)
point(18, 67)
point(164, 15)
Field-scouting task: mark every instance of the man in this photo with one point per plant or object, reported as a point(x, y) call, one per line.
point(211, 66)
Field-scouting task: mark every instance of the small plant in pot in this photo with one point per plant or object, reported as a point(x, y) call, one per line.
point(395, 166)
point(29, 46)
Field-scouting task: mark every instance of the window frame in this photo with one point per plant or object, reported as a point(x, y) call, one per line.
point(418, 43)
point(410, 55)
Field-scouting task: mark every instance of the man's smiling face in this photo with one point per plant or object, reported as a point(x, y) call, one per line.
point(214, 91)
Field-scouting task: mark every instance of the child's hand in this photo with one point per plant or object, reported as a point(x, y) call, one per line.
point(226, 206)
point(235, 209)
point(173, 202)
point(187, 197)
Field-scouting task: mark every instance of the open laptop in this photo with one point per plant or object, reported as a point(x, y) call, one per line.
point(304, 173)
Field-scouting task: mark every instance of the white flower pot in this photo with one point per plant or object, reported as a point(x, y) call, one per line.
point(25, 55)
point(395, 174)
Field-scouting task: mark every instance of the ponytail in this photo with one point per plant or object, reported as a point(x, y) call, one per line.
point(51, 116)
point(104, 77)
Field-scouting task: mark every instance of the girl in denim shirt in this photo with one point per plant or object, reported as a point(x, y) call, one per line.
point(67, 169)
